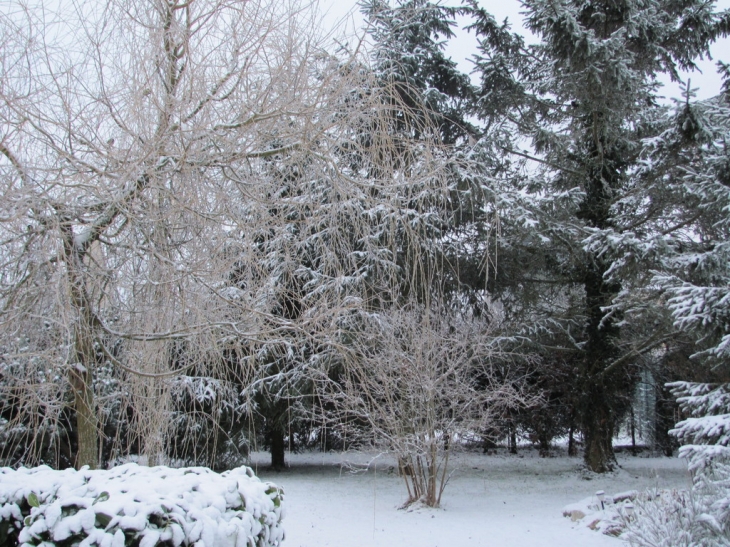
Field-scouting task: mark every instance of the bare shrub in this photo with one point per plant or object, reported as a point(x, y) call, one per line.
point(417, 382)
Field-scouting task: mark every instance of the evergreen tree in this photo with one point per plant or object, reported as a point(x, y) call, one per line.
point(408, 40)
point(686, 176)
point(582, 97)
point(339, 244)
point(693, 228)
point(699, 517)
point(705, 432)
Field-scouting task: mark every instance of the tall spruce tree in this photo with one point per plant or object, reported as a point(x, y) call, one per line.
point(581, 97)
point(371, 240)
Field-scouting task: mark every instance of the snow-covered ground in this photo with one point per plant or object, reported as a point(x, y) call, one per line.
point(497, 500)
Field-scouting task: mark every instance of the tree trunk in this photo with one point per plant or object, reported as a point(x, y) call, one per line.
point(81, 374)
point(431, 497)
point(633, 431)
point(544, 444)
point(86, 425)
point(81, 380)
point(572, 445)
point(601, 388)
point(572, 451)
point(277, 448)
point(598, 427)
point(665, 420)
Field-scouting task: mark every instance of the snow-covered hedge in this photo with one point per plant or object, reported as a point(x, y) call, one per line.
point(135, 505)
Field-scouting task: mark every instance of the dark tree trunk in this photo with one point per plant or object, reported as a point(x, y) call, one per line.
point(601, 387)
point(80, 374)
point(488, 444)
point(598, 427)
point(572, 443)
point(543, 440)
point(633, 431)
point(572, 450)
point(277, 448)
point(665, 420)
point(81, 381)
point(80, 378)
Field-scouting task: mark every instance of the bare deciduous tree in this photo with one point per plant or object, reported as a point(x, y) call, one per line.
point(118, 124)
point(150, 150)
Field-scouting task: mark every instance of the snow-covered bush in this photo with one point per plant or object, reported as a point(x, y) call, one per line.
point(700, 517)
point(695, 518)
point(607, 516)
point(141, 506)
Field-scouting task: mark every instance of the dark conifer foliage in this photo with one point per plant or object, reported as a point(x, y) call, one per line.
point(408, 53)
point(579, 102)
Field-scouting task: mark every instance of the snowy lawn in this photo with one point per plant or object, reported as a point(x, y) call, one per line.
point(496, 501)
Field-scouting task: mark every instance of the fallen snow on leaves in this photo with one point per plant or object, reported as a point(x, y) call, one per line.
point(141, 505)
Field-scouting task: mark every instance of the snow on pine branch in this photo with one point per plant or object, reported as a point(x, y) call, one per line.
point(705, 433)
point(704, 430)
point(699, 400)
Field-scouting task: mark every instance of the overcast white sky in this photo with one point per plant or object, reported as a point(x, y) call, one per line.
point(464, 46)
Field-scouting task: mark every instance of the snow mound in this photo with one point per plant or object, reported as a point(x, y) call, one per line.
point(135, 505)
point(609, 517)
